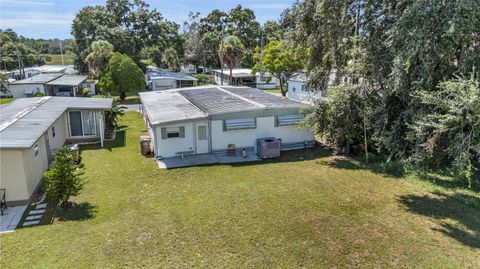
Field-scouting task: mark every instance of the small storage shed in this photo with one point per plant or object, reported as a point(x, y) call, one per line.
point(33, 129)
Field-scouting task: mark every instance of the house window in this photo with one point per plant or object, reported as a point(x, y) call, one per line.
point(237, 124)
point(53, 131)
point(294, 89)
point(202, 132)
point(82, 123)
point(36, 150)
point(286, 120)
point(173, 132)
point(303, 88)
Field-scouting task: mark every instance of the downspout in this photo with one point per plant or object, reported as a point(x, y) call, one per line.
point(210, 150)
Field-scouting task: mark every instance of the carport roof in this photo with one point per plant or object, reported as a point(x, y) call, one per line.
point(38, 79)
point(68, 80)
point(25, 120)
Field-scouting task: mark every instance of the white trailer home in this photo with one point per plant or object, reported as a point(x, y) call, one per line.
point(298, 89)
point(33, 129)
point(208, 119)
point(159, 79)
point(54, 84)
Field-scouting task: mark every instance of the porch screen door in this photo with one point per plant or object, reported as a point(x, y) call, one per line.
point(75, 123)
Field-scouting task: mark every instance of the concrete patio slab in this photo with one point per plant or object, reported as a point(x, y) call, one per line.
point(34, 212)
point(203, 159)
point(30, 223)
point(34, 217)
point(10, 218)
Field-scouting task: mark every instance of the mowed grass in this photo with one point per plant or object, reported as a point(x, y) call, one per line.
point(5, 100)
point(56, 59)
point(306, 209)
point(276, 90)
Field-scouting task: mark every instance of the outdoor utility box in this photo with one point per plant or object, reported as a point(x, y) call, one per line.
point(268, 147)
point(146, 145)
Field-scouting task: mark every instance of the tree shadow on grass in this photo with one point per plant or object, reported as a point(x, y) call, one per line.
point(77, 212)
point(462, 209)
point(120, 141)
point(393, 169)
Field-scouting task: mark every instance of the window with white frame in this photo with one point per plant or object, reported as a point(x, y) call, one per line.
point(82, 123)
point(173, 132)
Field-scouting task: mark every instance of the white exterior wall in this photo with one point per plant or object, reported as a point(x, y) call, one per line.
point(272, 84)
point(60, 133)
point(18, 91)
point(168, 147)
point(298, 94)
point(21, 171)
point(163, 84)
point(248, 137)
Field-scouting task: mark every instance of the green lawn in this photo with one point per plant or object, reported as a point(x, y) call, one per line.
point(307, 209)
point(276, 90)
point(57, 59)
point(5, 100)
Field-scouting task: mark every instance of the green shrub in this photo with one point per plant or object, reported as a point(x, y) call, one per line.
point(39, 94)
point(85, 92)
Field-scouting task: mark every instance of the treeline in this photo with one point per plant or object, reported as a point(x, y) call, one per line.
point(406, 79)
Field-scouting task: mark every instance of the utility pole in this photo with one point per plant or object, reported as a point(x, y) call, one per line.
point(61, 51)
point(221, 54)
point(21, 70)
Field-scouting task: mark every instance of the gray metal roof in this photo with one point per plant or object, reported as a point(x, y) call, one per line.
point(300, 77)
point(200, 102)
point(26, 119)
point(68, 80)
point(160, 73)
point(38, 79)
point(168, 106)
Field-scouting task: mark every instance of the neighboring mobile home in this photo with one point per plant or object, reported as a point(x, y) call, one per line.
point(244, 77)
point(159, 79)
point(52, 84)
point(33, 129)
point(207, 119)
point(298, 89)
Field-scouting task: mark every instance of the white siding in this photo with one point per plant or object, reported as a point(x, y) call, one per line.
point(12, 174)
point(273, 83)
point(163, 84)
point(18, 91)
point(60, 133)
point(35, 166)
point(297, 92)
point(248, 137)
point(168, 147)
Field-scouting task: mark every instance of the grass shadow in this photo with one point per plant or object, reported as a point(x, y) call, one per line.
point(77, 212)
point(296, 155)
point(393, 169)
point(458, 214)
point(120, 141)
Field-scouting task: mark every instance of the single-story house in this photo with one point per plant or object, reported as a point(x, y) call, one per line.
point(51, 84)
point(298, 89)
point(159, 79)
point(32, 130)
point(207, 119)
point(241, 77)
point(245, 77)
point(36, 70)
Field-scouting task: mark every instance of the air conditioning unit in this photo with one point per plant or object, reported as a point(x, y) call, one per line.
point(268, 147)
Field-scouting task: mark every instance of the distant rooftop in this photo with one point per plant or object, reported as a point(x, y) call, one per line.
point(38, 79)
point(68, 80)
point(25, 120)
point(161, 73)
point(300, 77)
point(236, 72)
point(200, 102)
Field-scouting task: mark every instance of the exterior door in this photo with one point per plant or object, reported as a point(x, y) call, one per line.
point(202, 138)
point(75, 118)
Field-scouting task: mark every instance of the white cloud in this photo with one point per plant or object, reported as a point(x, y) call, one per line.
point(34, 19)
point(18, 3)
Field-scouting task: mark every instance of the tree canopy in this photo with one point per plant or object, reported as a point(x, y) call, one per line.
point(122, 75)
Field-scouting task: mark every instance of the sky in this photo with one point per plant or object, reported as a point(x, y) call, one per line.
point(53, 18)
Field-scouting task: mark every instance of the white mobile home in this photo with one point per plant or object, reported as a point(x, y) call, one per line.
point(244, 77)
point(54, 84)
point(159, 79)
point(33, 129)
point(208, 119)
point(298, 89)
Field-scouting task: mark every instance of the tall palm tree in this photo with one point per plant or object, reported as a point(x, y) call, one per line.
point(231, 53)
point(97, 60)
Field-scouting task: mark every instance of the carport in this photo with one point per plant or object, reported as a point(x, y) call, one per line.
point(66, 85)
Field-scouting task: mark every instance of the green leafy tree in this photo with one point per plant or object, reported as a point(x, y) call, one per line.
point(122, 75)
point(64, 179)
point(280, 61)
point(231, 53)
point(97, 59)
point(117, 111)
point(202, 79)
point(451, 130)
point(170, 60)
